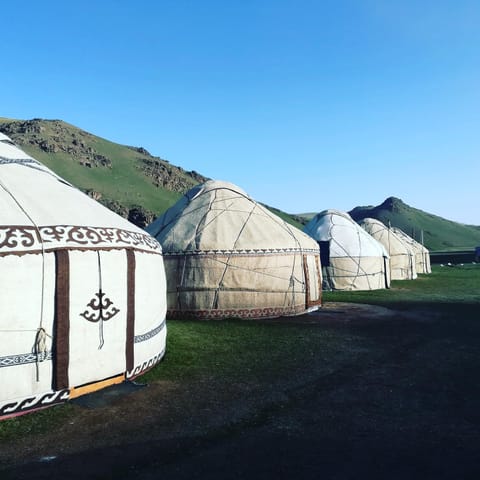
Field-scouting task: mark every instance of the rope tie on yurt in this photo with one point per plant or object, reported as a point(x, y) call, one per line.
point(40, 329)
point(227, 263)
point(40, 349)
point(100, 321)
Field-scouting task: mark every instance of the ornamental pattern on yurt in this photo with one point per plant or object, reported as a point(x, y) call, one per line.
point(19, 239)
point(351, 258)
point(100, 309)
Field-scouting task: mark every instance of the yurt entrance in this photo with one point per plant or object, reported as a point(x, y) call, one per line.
point(94, 318)
point(313, 280)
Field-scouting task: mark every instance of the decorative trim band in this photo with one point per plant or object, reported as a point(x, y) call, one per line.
point(32, 403)
point(139, 369)
point(252, 313)
point(18, 161)
point(16, 238)
point(24, 358)
point(244, 252)
point(150, 334)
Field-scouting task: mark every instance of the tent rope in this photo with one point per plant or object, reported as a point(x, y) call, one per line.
point(40, 349)
point(42, 296)
point(227, 263)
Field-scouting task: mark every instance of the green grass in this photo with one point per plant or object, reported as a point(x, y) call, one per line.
point(445, 285)
point(122, 182)
point(238, 349)
point(262, 351)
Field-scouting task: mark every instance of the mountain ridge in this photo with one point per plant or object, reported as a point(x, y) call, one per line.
point(437, 233)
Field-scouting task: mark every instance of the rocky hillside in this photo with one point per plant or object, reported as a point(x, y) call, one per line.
point(128, 180)
point(438, 233)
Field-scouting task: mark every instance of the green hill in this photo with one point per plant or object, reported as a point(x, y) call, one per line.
point(128, 180)
point(438, 233)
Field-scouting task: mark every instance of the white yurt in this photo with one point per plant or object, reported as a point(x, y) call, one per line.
point(226, 255)
point(422, 255)
point(351, 258)
point(82, 291)
point(402, 256)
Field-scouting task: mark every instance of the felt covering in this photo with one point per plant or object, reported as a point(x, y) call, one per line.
point(228, 256)
point(422, 254)
point(351, 258)
point(402, 257)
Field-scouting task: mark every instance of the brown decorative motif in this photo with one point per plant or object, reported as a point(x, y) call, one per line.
point(269, 312)
point(22, 238)
point(13, 237)
point(101, 310)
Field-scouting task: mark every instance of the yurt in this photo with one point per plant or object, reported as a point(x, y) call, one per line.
point(351, 258)
point(422, 255)
point(226, 255)
point(82, 291)
point(402, 257)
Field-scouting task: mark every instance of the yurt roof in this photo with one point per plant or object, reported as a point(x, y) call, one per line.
point(392, 242)
point(39, 203)
point(346, 237)
point(417, 246)
point(218, 215)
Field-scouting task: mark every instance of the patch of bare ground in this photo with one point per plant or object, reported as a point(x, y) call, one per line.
point(398, 400)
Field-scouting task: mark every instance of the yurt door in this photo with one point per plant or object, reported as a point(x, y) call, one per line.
point(313, 280)
point(95, 317)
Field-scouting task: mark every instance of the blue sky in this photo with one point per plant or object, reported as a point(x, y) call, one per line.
point(304, 104)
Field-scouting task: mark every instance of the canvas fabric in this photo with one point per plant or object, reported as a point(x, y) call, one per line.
point(361, 273)
point(59, 249)
point(402, 257)
point(226, 255)
point(422, 254)
point(356, 261)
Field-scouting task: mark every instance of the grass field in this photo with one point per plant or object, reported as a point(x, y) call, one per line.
point(394, 396)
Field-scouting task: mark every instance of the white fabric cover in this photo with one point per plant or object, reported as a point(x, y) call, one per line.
point(422, 255)
point(402, 257)
point(40, 216)
point(227, 256)
point(356, 261)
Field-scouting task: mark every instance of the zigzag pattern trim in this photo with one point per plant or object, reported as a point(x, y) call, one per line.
point(268, 312)
point(147, 336)
point(24, 358)
point(18, 161)
point(35, 402)
point(17, 239)
point(246, 252)
point(139, 369)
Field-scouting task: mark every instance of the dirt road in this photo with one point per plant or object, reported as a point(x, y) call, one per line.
point(407, 407)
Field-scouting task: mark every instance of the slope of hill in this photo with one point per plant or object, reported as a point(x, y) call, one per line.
point(126, 179)
point(438, 233)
